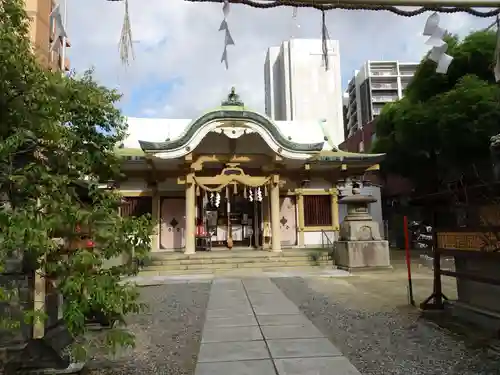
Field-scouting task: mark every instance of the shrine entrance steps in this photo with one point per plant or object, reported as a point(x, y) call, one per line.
point(220, 261)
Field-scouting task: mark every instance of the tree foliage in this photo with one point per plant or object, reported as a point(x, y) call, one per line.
point(56, 132)
point(440, 130)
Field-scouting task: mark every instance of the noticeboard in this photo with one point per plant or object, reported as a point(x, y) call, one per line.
point(469, 241)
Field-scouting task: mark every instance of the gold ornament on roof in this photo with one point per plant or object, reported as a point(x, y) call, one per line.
point(233, 99)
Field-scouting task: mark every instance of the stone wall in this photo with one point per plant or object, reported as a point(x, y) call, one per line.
point(13, 279)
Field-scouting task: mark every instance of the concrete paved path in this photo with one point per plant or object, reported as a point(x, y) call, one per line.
point(252, 328)
point(237, 273)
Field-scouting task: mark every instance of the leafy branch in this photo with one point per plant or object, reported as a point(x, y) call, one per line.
point(57, 134)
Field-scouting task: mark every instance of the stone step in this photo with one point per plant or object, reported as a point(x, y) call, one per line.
point(228, 265)
point(152, 273)
point(219, 260)
point(166, 255)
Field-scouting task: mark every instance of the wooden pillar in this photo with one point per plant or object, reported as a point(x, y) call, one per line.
point(300, 214)
point(156, 215)
point(335, 209)
point(256, 224)
point(190, 215)
point(275, 214)
point(266, 221)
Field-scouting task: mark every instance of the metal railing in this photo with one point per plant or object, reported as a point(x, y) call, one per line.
point(384, 98)
point(326, 241)
point(384, 86)
point(384, 73)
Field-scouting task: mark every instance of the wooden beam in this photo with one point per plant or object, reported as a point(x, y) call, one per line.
point(375, 167)
point(197, 165)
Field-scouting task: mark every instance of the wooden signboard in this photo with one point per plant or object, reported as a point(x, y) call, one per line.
point(469, 241)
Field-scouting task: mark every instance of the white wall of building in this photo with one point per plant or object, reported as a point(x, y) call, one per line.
point(385, 83)
point(298, 87)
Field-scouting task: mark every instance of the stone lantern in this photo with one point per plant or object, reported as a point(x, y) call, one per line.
point(360, 244)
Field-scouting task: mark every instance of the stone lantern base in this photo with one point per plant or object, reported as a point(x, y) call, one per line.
point(360, 245)
point(357, 255)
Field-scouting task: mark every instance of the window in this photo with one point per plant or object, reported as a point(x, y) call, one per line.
point(136, 206)
point(317, 210)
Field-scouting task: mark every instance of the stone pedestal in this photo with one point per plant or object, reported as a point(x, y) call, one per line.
point(360, 245)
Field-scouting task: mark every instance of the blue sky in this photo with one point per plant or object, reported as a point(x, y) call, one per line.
point(177, 71)
point(147, 95)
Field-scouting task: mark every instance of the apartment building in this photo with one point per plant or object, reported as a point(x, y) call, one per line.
point(50, 53)
point(374, 85)
point(299, 88)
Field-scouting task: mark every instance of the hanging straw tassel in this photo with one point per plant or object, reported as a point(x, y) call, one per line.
point(197, 190)
point(125, 46)
point(265, 190)
point(235, 189)
point(227, 192)
point(245, 193)
point(496, 69)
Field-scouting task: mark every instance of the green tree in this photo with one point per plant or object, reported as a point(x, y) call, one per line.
point(440, 130)
point(56, 132)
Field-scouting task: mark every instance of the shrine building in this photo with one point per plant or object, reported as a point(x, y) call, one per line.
point(237, 178)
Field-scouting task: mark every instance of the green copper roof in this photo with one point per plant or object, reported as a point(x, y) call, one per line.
point(341, 156)
point(129, 152)
point(231, 109)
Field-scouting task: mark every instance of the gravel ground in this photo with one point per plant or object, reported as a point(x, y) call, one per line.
point(383, 337)
point(168, 335)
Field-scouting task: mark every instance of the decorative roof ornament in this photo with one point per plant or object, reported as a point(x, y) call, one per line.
point(233, 99)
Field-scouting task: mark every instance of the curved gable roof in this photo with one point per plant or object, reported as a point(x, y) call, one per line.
point(232, 109)
point(231, 113)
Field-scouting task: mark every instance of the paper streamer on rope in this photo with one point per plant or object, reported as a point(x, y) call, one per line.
point(126, 46)
point(325, 37)
point(439, 46)
point(295, 23)
point(496, 69)
point(228, 39)
point(57, 24)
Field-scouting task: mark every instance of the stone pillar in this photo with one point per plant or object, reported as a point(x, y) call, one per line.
point(155, 213)
point(39, 305)
point(300, 214)
point(275, 215)
point(190, 215)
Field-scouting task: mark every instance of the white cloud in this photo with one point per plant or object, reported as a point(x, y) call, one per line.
point(180, 41)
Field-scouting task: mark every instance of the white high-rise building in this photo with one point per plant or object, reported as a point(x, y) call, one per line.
point(298, 87)
point(374, 85)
